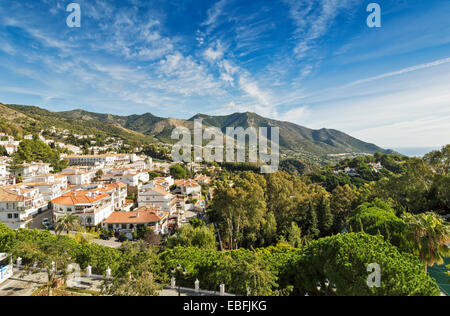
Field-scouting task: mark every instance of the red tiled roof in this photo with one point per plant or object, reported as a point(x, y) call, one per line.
point(136, 217)
point(7, 195)
point(186, 183)
point(79, 197)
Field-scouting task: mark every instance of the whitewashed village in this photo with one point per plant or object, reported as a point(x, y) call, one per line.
point(111, 195)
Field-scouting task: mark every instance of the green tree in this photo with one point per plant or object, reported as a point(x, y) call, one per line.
point(343, 201)
point(98, 175)
point(139, 275)
point(68, 222)
point(343, 260)
point(3, 151)
point(410, 190)
point(154, 175)
point(190, 236)
point(294, 236)
point(378, 218)
point(52, 256)
point(310, 225)
point(240, 209)
point(178, 172)
point(431, 236)
point(238, 269)
point(324, 216)
point(196, 223)
point(439, 160)
point(269, 230)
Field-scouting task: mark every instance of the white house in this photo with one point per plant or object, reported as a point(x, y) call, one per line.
point(18, 204)
point(27, 170)
point(131, 177)
point(131, 221)
point(91, 206)
point(78, 177)
point(188, 187)
point(157, 196)
point(202, 179)
point(4, 173)
point(49, 191)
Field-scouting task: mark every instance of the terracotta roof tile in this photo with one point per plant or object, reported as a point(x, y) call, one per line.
point(79, 197)
point(136, 217)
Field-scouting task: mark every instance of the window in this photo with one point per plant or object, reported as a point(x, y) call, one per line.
point(16, 215)
point(9, 216)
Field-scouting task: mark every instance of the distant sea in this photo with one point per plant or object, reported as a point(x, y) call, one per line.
point(415, 151)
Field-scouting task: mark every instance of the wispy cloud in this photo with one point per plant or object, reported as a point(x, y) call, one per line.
point(400, 72)
point(312, 19)
point(214, 13)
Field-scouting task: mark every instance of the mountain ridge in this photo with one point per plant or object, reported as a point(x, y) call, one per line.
point(294, 139)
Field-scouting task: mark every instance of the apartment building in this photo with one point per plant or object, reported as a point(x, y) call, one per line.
point(49, 178)
point(18, 204)
point(91, 206)
point(101, 160)
point(131, 177)
point(117, 190)
point(4, 173)
point(78, 176)
point(155, 195)
point(28, 170)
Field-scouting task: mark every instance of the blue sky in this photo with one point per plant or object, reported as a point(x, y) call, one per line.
point(311, 62)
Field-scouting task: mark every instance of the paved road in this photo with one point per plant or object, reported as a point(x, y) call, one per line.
point(22, 285)
point(36, 223)
point(112, 243)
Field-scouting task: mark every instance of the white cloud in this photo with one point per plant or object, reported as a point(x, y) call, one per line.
point(252, 89)
point(214, 13)
point(295, 115)
point(411, 111)
point(400, 72)
point(312, 19)
point(213, 54)
point(183, 75)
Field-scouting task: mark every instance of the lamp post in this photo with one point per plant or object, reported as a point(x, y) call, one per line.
point(177, 272)
point(326, 288)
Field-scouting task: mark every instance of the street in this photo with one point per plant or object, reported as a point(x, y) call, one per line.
point(36, 223)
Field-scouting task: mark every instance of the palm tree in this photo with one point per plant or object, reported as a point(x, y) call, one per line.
point(431, 236)
point(68, 222)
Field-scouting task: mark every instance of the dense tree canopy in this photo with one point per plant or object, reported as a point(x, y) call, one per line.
point(36, 150)
point(191, 236)
point(343, 260)
point(378, 218)
point(178, 172)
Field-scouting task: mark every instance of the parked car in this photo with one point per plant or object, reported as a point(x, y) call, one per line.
point(49, 226)
point(45, 222)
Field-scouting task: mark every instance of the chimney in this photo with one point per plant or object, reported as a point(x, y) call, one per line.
point(137, 215)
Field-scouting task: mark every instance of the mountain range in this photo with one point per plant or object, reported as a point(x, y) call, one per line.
point(294, 139)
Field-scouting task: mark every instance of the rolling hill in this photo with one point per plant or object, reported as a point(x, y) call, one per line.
point(295, 140)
